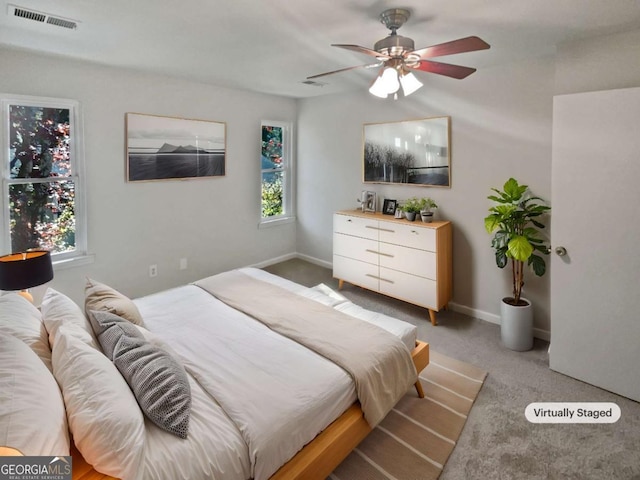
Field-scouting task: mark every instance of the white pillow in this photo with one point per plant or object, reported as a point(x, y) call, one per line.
point(104, 418)
point(19, 318)
point(58, 309)
point(32, 414)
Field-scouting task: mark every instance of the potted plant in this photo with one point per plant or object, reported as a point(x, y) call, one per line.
point(411, 208)
point(515, 223)
point(426, 209)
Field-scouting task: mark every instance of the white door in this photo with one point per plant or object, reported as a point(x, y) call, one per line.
point(595, 287)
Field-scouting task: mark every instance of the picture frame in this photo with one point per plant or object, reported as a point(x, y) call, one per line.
point(409, 152)
point(389, 207)
point(173, 148)
point(369, 202)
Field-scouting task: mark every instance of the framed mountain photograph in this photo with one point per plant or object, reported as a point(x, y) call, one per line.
point(169, 148)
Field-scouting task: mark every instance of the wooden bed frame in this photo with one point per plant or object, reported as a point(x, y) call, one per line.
point(319, 457)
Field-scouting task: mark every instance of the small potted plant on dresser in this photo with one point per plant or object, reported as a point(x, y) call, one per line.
point(411, 208)
point(515, 223)
point(426, 209)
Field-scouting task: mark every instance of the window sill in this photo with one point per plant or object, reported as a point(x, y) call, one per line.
point(73, 262)
point(276, 221)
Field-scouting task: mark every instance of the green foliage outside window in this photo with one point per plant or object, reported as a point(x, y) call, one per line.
point(272, 164)
point(272, 197)
point(42, 211)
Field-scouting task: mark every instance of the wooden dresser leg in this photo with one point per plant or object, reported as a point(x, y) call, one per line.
point(419, 389)
point(340, 284)
point(432, 317)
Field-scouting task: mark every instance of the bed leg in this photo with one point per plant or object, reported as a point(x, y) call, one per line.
point(419, 389)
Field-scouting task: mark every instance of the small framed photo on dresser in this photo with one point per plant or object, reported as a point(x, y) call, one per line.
point(389, 207)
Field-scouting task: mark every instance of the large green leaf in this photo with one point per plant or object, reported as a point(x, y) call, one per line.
point(520, 248)
point(513, 190)
point(491, 223)
point(538, 264)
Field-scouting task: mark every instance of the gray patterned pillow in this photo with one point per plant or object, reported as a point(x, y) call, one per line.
point(158, 381)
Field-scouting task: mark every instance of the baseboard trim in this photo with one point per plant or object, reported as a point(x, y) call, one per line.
point(314, 260)
point(272, 261)
point(291, 256)
point(493, 318)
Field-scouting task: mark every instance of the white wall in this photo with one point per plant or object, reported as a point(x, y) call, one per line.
point(212, 222)
point(500, 127)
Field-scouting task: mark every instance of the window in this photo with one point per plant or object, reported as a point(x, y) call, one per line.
point(276, 176)
point(42, 195)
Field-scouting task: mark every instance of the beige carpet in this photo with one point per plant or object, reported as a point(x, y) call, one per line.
point(415, 440)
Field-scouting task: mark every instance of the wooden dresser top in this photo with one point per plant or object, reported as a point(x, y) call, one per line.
point(391, 218)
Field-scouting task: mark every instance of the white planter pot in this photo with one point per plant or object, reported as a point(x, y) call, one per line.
point(516, 326)
point(427, 217)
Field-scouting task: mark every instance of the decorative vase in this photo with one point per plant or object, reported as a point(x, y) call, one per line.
point(516, 325)
point(411, 216)
point(427, 216)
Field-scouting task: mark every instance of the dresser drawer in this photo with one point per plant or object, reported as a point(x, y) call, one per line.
point(357, 226)
point(357, 248)
point(356, 272)
point(423, 238)
point(410, 260)
point(410, 288)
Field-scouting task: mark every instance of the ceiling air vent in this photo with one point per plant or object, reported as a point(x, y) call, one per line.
point(42, 17)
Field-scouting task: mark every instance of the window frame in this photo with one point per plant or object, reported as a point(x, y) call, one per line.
point(287, 170)
point(77, 172)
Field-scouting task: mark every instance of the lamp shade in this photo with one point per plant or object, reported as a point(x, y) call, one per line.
point(19, 271)
point(409, 83)
point(377, 88)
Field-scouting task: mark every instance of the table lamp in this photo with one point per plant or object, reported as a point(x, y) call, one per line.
point(21, 271)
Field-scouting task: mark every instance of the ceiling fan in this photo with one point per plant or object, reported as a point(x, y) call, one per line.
point(398, 58)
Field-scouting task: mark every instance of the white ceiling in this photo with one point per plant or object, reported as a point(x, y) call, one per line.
point(271, 46)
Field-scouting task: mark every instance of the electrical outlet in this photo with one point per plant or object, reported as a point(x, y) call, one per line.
point(183, 264)
point(153, 271)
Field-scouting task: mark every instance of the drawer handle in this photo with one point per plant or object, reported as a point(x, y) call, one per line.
point(379, 278)
point(371, 227)
point(386, 230)
point(379, 253)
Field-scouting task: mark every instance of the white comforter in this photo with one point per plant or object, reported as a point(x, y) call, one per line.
point(272, 396)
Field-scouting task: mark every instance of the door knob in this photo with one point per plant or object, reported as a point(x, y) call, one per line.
point(561, 251)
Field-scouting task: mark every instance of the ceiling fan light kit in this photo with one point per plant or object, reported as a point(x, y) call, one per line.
point(398, 57)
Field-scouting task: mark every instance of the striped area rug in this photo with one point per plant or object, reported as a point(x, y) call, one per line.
point(415, 440)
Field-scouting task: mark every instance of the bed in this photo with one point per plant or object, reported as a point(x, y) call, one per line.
point(261, 405)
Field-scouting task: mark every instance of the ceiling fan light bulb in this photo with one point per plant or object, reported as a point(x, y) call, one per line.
point(409, 83)
point(390, 81)
point(377, 88)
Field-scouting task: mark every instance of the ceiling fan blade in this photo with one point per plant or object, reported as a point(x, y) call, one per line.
point(359, 49)
point(453, 71)
point(371, 65)
point(462, 45)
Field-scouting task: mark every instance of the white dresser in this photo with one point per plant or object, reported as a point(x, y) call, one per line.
point(410, 261)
